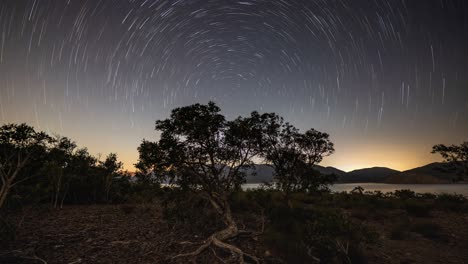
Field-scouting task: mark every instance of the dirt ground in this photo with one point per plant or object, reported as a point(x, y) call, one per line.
point(139, 234)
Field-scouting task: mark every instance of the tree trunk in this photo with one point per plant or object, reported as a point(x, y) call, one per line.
point(64, 195)
point(231, 229)
point(4, 192)
point(217, 239)
point(57, 193)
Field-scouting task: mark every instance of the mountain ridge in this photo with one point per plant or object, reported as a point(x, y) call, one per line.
point(432, 173)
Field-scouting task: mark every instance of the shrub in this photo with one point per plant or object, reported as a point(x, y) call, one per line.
point(301, 234)
point(189, 209)
point(427, 196)
point(241, 201)
point(404, 194)
point(145, 193)
point(454, 202)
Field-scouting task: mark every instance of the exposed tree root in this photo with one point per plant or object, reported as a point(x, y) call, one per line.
point(24, 255)
point(216, 240)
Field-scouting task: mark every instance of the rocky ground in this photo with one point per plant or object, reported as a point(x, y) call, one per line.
point(139, 234)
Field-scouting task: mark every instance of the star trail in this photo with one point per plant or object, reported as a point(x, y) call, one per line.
point(386, 78)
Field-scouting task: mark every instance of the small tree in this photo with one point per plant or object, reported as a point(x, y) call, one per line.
point(57, 167)
point(293, 155)
point(150, 155)
point(21, 147)
point(456, 156)
point(84, 178)
point(203, 153)
point(111, 171)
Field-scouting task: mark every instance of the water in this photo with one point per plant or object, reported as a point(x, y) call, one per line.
point(385, 188)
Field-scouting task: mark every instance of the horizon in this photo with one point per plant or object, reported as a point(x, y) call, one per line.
point(386, 80)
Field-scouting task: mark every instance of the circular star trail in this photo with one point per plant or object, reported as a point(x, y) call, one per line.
point(386, 78)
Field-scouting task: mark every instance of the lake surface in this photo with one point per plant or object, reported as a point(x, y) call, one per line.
point(383, 187)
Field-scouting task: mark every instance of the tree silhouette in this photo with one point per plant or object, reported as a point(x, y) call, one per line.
point(57, 167)
point(202, 152)
point(21, 150)
point(456, 156)
point(293, 155)
point(111, 167)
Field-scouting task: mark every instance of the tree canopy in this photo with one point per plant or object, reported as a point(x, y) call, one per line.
point(202, 152)
point(456, 156)
point(21, 151)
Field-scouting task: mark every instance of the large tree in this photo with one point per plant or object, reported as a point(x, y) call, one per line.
point(21, 151)
point(203, 153)
point(456, 157)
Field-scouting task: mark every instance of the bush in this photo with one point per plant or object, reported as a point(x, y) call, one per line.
point(427, 196)
point(451, 198)
point(241, 201)
point(404, 194)
point(145, 193)
point(301, 234)
point(453, 202)
point(189, 209)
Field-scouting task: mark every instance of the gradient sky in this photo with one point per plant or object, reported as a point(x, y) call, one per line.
point(386, 78)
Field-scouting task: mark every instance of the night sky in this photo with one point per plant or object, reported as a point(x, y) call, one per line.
point(387, 79)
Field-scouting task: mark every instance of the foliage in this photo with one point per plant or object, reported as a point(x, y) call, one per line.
point(453, 202)
point(404, 194)
point(456, 157)
point(111, 168)
point(190, 210)
point(304, 234)
point(293, 155)
point(37, 168)
point(21, 151)
point(202, 152)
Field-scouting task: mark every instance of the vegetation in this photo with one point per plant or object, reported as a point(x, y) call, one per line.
point(203, 153)
point(38, 168)
point(293, 155)
point(22, 149)
point(456, 157)
point(189, 182)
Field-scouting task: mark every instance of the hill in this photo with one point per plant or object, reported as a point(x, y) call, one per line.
point(375, 174)
point(264, 173)
point(429, 174)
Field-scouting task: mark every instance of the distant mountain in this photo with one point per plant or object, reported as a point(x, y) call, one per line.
point(432, 173)
point(375, 174)
point(330, 170)
point(265, 173)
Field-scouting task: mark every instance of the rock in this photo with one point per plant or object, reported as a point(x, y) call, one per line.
point(76, 261)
